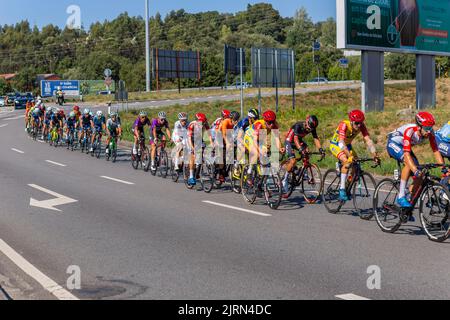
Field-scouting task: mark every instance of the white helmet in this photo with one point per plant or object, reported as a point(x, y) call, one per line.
point(86, 111)
point(99, 114)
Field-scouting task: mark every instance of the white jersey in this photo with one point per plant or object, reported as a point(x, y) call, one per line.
point(409, 136)
point(179, 132)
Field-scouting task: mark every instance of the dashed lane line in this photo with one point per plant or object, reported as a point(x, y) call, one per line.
point(117, 180)
point(238, 209)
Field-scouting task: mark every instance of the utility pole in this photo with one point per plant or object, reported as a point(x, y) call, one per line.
point(147, 45)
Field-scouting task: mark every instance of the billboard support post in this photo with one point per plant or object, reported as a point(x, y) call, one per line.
point(425, 82)
point(147, 47)
point(259, 82)
point(276, 79)
point(293, 80)
point(242, 79)
point(372, 95)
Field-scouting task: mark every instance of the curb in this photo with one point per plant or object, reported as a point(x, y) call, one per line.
point(4, 295)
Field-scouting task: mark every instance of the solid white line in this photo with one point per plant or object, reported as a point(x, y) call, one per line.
point(117, 180)
point(350, 296)
point(3, 125)
point(15, 118)
point(238, 209)
point(56, 163)
point(47, 283)
point(18, 151)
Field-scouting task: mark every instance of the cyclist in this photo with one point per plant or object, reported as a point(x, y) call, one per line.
point(47, 120)
point(71, 124)
point(341, 145)
point(216, 124)
point(195, 128)
point(226, 126)
point(85, 124)
point(244, 124)
point(399, 147)
point(99, 126)
point(253, 135)
point(138, 128)
point(114, 129)
point(27, 114)
point(294, 142)
point(156, 134)
point(36, 116)
point(56, 121)
point(179, 137)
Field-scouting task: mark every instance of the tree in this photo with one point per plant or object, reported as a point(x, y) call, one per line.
point(302, 33)
point(400, 66)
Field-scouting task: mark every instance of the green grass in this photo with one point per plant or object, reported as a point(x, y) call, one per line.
point(330, 107)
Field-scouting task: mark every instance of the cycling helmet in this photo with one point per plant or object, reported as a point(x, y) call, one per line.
point(226, 114)
point(357, 116)
point(91, 114)
point(143, 114)
point(99, 114)
point(86, 111)
point(55, 110)
point(61, 112)
point(162, 115)
point(72, 115)
point(425, 119)
point(201, 117)
point(36, 111)
point(312, 122)
point(269, 116)
point(253, 113)
point(113, 114)
point(76, 108)
point(235, 116)
point(182, 116)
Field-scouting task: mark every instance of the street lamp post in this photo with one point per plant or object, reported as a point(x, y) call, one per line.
point(147, 45)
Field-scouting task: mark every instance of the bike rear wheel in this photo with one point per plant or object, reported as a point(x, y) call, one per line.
point(387, 213)
point(330, 194)
point(273, 190)
point(363, 191)
point(145, 158)
point(164, 164)
point(98, 148)
point(208, 174)
point(249, 185)
point(312, 183)
point(434, 209)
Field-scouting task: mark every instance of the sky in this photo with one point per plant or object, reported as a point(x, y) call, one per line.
point(44, 12)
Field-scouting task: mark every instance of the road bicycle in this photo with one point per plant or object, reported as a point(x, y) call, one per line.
point(97, 145)
point(307, 176)
point(360, 186)
point(71, 139)
point(86, 141)
point(263, 181)
point(142, 158)
point(112, 150)
point(161, 161)
point(432, 198)
point(54, 137)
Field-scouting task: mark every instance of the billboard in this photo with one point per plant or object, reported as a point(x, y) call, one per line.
point(272, 68)
point(233, 60)
point(405, 26)
point(172, 64)
point(69, 87)
point(91, 87)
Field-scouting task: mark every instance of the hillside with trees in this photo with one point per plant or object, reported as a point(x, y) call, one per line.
point(120, 45)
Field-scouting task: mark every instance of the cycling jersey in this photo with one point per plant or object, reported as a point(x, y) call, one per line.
point(408, 136)
point(254, 132)
point(196, 127)
point(77, 115)
point(226, 125)
point(179, 132)
point(156, 124)
point(71, 122)
point(444, 133)
point(299, 130)
point(346, 132)
point(86, 121)
point(99, 122)
point(244, 124)
point(140, 125)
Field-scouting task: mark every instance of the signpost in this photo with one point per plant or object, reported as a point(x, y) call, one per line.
point(316, 58)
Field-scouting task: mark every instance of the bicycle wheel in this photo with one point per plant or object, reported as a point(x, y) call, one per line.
point(330, 194)
point(164, 164)
point(387, 213)
point(208, 176)
point(272, 190)
point(98, 148)
point(135, 160)
point(249, 185)
point(235, 177)
point(175, 175)
point(363, 190)
point(145, 158)
point(186, 174)
point(311, 183)
point(434, 206)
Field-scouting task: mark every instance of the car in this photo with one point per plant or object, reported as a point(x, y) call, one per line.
point(2, 101)
point(105, 93)
point(10, 98)
point(245, 85)
point(319, 80)
point(20, 102)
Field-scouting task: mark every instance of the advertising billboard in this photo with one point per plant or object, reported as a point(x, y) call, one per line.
point(69, 87)
point(273, 68)
point(232, 57)
point(172, 64)
point(405, 26)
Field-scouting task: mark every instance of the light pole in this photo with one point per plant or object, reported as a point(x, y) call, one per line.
point(147, 45)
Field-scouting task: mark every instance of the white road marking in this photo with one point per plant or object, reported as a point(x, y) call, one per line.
point(350, 296)
point(52, 203)
point(17, 150)
point(15, 118)
point(47, 283)
point(56, 163)
point(117, 180)
point(238, 209)
point(3, 125)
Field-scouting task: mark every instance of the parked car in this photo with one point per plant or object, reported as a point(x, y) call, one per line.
point(2, 101)
point(105, 93)
point(20, 102)
point(245, 85)
point(10, 98)
point(319, 80)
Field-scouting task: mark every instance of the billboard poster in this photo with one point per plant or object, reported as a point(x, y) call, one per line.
point(407, 26)
point(69, 87)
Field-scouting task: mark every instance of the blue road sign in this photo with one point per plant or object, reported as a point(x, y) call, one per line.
point(69, 87)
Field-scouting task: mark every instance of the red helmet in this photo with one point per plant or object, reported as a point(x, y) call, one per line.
point(269, 116)
point(201, 117)
point(425, 119)
point(61, 112)
point(226, 114)
point(76, 108)
point(357, 116)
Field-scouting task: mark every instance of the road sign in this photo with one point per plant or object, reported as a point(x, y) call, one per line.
point(69, 87)
point(108, 73)
point(316, 46)
point(343, 63)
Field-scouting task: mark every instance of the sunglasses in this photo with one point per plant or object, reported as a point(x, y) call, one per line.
point(358, 124)
point(428, 129)
point(270, 123)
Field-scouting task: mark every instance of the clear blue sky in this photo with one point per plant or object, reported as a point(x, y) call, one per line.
point(43, 12)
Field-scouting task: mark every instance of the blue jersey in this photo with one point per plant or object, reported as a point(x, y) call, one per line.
point(71, 122)
point(99, 122)
point(244, 124)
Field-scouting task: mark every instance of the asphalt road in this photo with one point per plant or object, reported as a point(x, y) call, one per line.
point(147, 238)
